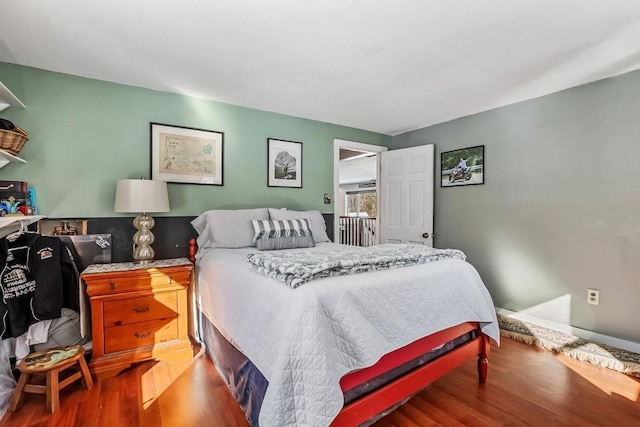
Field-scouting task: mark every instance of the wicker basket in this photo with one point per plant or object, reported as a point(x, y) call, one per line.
point(12, 142)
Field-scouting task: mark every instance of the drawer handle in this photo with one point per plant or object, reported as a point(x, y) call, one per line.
point(143, 335)
point(141, 309)
point(170, 280)
point(112, 285)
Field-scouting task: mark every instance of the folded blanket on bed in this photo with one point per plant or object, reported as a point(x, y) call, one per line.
point(297, 267)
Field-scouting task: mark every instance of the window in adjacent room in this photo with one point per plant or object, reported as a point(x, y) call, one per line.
point(362, 203)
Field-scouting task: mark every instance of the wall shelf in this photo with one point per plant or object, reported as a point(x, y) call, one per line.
point(9, 224)
point(6, 157)
point(8, 99)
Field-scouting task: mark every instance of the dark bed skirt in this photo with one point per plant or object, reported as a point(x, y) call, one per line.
point(244, 380)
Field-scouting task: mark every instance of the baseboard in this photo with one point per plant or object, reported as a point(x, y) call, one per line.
point(572, 330)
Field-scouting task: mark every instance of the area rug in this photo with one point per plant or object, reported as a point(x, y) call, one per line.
point(598, 354)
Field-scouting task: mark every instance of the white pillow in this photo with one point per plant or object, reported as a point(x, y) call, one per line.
point(221, 228)
point(318, 226)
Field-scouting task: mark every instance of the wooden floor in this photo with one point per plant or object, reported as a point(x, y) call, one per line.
point(526, 386)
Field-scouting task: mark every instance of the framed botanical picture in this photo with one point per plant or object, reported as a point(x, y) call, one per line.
point(186, 155)
point(462, 167)
point(284, 163)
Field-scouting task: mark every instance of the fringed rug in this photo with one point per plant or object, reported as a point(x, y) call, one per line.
point(569, 345)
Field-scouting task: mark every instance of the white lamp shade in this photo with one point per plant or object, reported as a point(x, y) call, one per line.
point(141, 195)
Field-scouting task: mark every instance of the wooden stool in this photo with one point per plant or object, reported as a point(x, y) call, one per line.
point(50, 363)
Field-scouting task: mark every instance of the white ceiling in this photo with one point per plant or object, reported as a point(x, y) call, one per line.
point(356, 170)
point(380, 65)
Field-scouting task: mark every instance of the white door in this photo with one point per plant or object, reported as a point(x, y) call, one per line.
point(406, 195)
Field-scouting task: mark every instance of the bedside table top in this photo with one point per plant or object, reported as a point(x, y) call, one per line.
point(130, 266)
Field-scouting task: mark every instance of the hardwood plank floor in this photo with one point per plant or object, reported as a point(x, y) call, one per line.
point(526, 386)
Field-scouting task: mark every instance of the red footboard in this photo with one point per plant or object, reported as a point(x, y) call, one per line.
point(387, 396)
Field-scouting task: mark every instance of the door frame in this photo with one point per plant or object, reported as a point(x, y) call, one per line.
point(338, 203)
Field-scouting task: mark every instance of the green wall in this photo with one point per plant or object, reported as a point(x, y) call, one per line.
point(86, 134)
point(560, 208)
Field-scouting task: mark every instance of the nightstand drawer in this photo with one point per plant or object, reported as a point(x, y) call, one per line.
point(137, 282)
point(133, 310)
point(119, 338)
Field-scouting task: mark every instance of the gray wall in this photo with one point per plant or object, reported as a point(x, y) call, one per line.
point(560, 208)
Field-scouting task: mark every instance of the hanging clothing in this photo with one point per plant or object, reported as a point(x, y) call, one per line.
point(7, 381)
point(38, 278)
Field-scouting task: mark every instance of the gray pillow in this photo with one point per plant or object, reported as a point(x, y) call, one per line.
point(220, 228)
point(282, 234)
point(318, 226)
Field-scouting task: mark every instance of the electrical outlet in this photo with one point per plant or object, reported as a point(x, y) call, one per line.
point(593, 296)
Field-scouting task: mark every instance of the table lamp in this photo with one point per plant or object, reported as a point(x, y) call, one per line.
point(142, 196)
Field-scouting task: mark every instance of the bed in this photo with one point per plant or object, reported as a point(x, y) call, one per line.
point(340, 350)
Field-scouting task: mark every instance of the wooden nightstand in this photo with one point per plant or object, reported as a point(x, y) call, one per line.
point(138, 312)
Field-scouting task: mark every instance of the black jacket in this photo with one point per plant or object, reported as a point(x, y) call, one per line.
point(50, 264)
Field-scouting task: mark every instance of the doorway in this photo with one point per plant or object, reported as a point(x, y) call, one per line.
point(356, 169)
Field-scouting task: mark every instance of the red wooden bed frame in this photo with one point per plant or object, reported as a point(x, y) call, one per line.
point(396, 391)
point(385, 397)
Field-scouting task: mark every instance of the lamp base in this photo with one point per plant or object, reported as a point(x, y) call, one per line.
point(142, 251)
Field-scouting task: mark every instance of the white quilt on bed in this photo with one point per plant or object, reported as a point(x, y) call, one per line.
point(304, 340)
